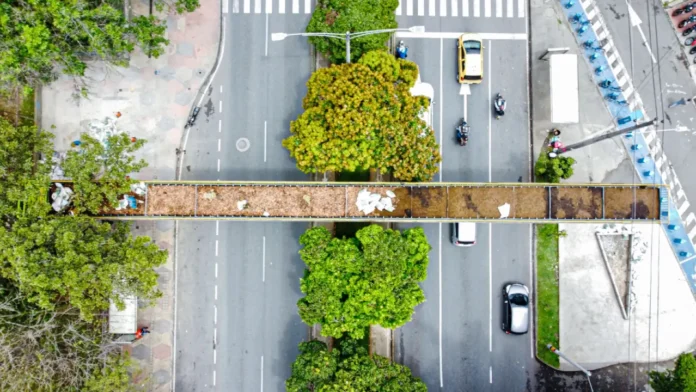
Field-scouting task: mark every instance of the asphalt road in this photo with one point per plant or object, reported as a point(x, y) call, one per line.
point(237, 325)
point(659, 84)
point(455, 341)
point(238, 282)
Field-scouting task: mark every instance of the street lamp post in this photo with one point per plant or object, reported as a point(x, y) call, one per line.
point(347, 36)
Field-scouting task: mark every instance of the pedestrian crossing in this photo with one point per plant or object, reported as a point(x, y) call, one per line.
point(437, 8)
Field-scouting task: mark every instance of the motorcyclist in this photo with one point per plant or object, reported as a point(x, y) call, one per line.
point(402, 50)
point(462, 133)
point(499, 104)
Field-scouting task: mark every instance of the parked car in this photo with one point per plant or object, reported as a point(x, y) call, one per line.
point(516, 309)
point(464, 233)
point(470, 58)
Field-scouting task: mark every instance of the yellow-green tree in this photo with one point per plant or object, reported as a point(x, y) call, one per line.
point(362, 116)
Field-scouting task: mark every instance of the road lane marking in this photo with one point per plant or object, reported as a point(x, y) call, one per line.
point(307, 6)
point(409, 7)
point(219, 144)
point(398, 9)
point(295, 6)
point(247, 6)
point(431, 7)
point(214, 377)
point(214, 356)
point(531, 266)
point(520, 8)
point(215, 314)
point(217, 227)
point(443, 7)
point(490, 116)
point(498, 8)
point(510, 8)
point(453, 35)
point(487, 8)
point(215, 335)
point(465, 8)
point(263, 271)
point(281, 6)
point(216, 270)
point(266, 40)
point(218, 164)
point(257, 6)
point(220, 89)
point(441, 105)
point(262, 373)
point(216, 247)
point(421, 7)
point(265, 136)
point(216, 292)
point(219, 126)
point(490, 374)
point(439, 298)
point(490, 287)
point(269, 6)
point(477, 8)
point(220, 106)
point(455, 11)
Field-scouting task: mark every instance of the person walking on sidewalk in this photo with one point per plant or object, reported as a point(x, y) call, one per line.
point(682, 101)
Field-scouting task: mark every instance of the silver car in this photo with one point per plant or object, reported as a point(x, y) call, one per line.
point(516, 309)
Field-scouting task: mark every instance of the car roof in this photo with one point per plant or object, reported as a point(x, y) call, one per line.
point(519, 322)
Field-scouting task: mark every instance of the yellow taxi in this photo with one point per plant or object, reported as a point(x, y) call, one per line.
point(470, 58)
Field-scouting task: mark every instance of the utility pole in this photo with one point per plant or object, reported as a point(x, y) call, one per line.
point(605, 136)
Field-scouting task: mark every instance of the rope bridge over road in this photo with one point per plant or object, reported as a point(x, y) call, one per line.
point(431, 202)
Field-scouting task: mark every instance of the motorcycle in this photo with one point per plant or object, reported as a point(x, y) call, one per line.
point(684, 10)
point(462, 133)
point(401, 50)
point(499, 106)
point(688, 31)
point(691, 19)
point(691, 41)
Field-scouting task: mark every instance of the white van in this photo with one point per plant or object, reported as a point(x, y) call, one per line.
point(464, 233)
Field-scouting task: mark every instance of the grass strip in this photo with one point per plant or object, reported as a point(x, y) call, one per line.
point(547, 292)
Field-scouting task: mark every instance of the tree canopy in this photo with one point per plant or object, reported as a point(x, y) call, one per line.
point(43, 37)
point(362, 116)
point(339, 16)
point(553, 169)
point(352, 283)
point(100, 172)
point(682, 378)
point(348, 367)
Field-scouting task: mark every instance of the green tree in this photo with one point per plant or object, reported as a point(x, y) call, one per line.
point(340, 16)
point(681, 379)
point(100, 172)
point(80, 261)
point(41, 37)
point(319, 370)
point(362, 116)
point(553, 169)
point(23, 175)
point(352, 283)
point(55, 350)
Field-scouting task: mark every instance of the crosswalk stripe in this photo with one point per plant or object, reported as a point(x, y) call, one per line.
point(281, 6)
point(247, 6)
point(498, 8)
point(398, 8)
point(295, 6)
point(477, 8)
point(307, 6)
point(431, 7)
point(269, 6)
point(487, 8)
point(421, 7)
point(465, 8)
point(235, 7)
point(454, 7)
point(257, 6)
point(520, 8)
point(409, 7)
point(510, 9)
point(443, 7)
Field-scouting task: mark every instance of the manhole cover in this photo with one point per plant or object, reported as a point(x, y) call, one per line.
point(243, 144)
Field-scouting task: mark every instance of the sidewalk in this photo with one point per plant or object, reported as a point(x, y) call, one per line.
point(154, 97)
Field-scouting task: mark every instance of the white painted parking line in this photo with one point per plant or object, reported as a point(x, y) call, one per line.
point(465, 8)
point(409, 7)
point(455, 11)
point(487, 8)
point(498, 8)
point(520, 8)
point(295, 6)
point(443, 7)
point(484, 36)
point(281, 6)
point(510, 8)
point(431, 7)
point(421, 7)
point(477, 8)
point(398, 9)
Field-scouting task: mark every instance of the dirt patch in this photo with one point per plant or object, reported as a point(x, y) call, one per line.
point(171, 200)
point(576, 203)
point(629, 203)
point(480, 203)
point(531, 203)
point(429, 202)
point(221, 200)
point(616, 253)
point(401, 203)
